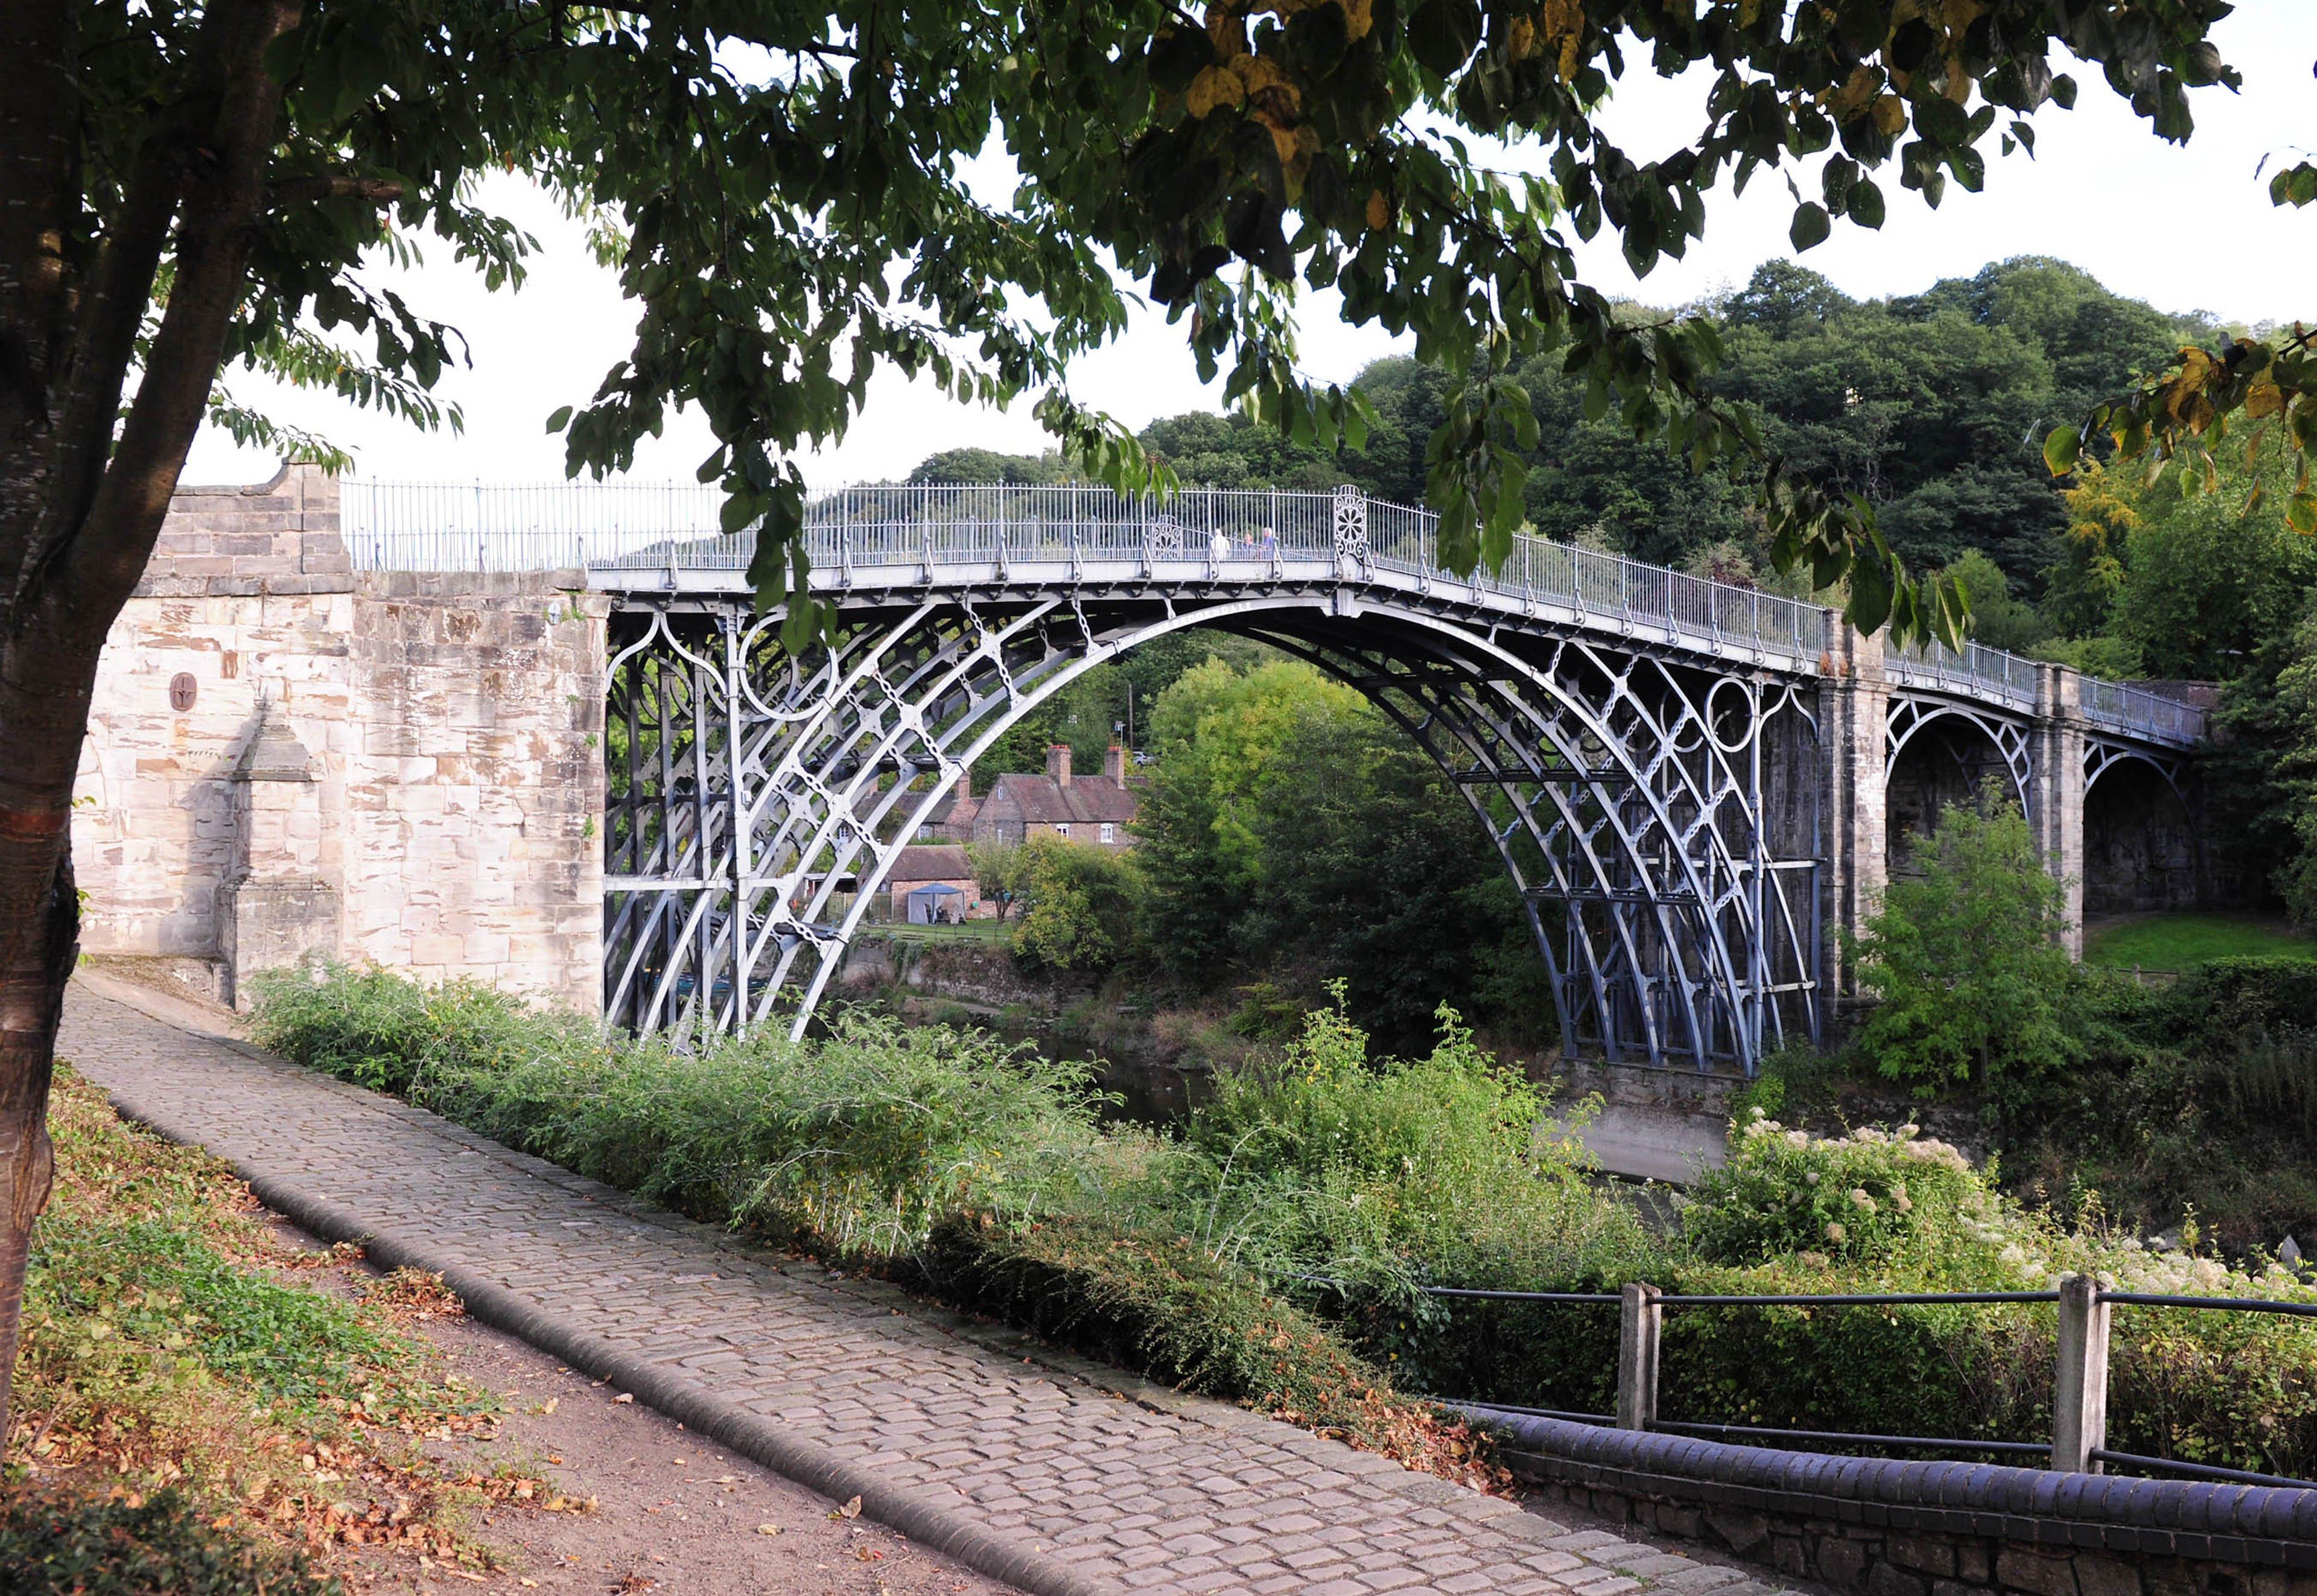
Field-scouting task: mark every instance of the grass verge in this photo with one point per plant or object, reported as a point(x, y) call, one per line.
point(186, 1400)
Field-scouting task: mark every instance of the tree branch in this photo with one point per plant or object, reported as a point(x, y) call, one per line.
point(121, 287)
point(306, 191)
point(223, 203)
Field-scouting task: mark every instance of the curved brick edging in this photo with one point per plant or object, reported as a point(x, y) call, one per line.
point(921, 1515)
point(1902, 1527)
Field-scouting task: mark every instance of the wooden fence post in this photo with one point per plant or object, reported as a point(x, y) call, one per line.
point(2079, 1397)
point(1637, 1357)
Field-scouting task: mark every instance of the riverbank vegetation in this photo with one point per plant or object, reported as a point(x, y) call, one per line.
point(1272, 1249)
point(193, 1414)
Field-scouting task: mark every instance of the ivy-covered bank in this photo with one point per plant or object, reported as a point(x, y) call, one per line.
point(1273, 1248)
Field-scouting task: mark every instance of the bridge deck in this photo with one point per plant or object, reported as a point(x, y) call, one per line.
point(905, 541)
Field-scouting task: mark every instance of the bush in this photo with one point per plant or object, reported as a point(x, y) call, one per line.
point(128, 1544)
point(859, 1142)
point(1274, 1252)
point(1787, 1193)
point(1084, 906)
point(1964, 960)
point(969, 1167)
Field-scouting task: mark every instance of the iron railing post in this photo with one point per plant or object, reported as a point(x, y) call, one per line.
point(2079, 1398)
point(1639, 1325)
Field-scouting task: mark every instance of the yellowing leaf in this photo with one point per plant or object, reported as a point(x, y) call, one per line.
point(1379, 212)
point(1890, 115)
point(1359, 17)
point(1855, 94)
point(1216, 85)
point(2264, 398)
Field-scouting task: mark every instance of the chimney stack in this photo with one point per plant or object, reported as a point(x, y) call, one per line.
point(1113, 766)
point(965, 788)
point(1058, 763)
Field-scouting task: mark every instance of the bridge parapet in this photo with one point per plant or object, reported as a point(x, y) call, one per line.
point(669, 538)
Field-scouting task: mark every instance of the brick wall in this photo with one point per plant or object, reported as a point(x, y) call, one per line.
point(453, 725)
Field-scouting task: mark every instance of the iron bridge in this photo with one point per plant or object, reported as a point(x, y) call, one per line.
point(1647, 749)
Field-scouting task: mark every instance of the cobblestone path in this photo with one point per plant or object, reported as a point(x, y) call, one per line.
point(1040, 1470)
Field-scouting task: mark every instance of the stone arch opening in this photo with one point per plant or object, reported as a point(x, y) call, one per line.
point(1941, 756)
point(2141, 852)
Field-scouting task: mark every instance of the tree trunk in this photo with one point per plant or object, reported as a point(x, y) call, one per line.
point(81, 503)
point(31, 1001)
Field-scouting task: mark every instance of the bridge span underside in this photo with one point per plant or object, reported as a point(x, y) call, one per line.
point(1660, 813)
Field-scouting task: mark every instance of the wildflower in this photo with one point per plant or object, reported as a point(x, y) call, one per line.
point(1835, 1233)
point(1810, 1177)
point(1815, 1260)
point(1858, 1194)
point(1903, 1203)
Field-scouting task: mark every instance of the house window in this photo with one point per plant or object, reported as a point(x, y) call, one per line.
point(924, 833)
point(1109, 832)
point(1063, 830)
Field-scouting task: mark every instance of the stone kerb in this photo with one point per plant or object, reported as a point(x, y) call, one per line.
point(1929, 1528)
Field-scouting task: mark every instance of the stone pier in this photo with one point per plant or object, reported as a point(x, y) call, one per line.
point(289, 757)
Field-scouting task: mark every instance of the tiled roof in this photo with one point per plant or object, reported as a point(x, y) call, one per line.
point(930, 862)
point(1041, 800)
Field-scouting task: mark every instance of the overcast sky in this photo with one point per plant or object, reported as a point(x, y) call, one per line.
point(2185, 229)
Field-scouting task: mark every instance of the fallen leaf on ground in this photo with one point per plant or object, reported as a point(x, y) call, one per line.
point(625, 1396)
point(768, 1528)
point(851, 1510)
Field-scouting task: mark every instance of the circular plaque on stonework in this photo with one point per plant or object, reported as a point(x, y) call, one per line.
point(181, 687)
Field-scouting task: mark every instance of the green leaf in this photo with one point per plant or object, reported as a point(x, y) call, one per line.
point(1865, 203)
point(2301, 512)
point(2063, 449)
point(1812, 225)
point(561, 419)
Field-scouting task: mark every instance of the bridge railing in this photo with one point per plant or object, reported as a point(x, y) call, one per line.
point(2080, 1386)
point(2119, 706)
point(1974, 669)
point(412, 527)
point(677, 526)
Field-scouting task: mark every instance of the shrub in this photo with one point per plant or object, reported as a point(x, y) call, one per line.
point(859, 1142)
point(1083, 905)
point(1869, 1197)
point(1965, 959)
point(129, 1544)
point(1274, 1251)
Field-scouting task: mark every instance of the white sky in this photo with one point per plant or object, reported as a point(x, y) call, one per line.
point(2185, 229)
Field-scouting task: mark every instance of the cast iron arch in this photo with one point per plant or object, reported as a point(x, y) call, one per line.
point(751, 789)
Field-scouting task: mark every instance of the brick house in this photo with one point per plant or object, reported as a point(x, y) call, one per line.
point(930, 882)
point(1098, 810)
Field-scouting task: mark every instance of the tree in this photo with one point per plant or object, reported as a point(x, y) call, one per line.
point(1965, 959)
point(1223, 738)
point(1373, 867)
point(1083, 905)
point(1998, 619)
point(997, 872)
point(783, 190)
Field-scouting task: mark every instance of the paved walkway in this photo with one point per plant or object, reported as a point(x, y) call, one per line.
point(1056, 1475)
